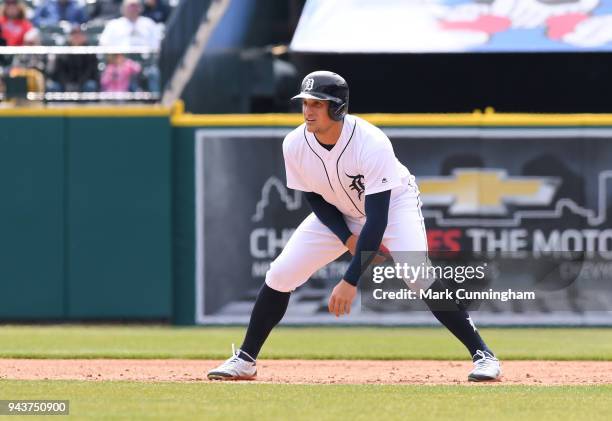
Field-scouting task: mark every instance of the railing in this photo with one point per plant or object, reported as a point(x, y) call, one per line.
point(24, 82)
point(41, 50)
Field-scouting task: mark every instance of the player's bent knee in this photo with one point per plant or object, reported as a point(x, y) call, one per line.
point(280, 278)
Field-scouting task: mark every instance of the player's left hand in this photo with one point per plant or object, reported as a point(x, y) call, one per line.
point(341, 298)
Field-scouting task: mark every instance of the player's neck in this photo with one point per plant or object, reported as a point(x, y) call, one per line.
point(331, 135)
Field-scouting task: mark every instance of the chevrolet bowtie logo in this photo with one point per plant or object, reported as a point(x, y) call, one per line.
point(486, 191)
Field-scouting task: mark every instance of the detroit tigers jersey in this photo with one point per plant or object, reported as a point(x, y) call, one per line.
point(362, 162)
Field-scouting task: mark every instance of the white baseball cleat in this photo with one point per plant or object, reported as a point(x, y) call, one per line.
point(234, 368)
point(486, 368)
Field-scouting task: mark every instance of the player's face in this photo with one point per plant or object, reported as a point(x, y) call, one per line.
point(316, 116)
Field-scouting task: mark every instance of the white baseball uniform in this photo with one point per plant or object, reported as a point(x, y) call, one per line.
point(362, 162)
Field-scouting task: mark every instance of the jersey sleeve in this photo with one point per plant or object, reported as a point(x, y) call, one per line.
point(381, 171)
point(295, 179)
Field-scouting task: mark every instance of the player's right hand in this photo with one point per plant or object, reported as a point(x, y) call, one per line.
point(341, 298)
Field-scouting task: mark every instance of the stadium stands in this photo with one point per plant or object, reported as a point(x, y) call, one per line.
point(52, 23)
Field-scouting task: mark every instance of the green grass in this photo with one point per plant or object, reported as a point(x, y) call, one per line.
point(115, 400)
point(307, 343)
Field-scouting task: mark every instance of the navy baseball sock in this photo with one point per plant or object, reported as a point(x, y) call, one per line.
point(454, 317)
point(268, 310)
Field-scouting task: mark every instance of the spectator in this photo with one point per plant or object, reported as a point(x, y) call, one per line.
point(75, 72)
point(13, 22)
point(52, 12)
point(120, 74)
point(131, 29)
point(157, 10)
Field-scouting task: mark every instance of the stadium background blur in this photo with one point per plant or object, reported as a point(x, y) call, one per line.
point(260, 72)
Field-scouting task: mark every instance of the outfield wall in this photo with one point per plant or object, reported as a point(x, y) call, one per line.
point(85, 219)
point(149, 213)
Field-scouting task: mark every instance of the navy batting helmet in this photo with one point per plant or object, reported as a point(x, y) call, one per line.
point(327, 86)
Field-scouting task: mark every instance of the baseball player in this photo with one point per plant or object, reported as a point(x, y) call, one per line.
point(362, 197)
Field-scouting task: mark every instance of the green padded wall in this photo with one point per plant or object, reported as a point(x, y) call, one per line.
point(85, 218)
point(32, 218)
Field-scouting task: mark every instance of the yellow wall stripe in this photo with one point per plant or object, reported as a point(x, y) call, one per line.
point(234, 120)
point(181, 119)
point(414, 120)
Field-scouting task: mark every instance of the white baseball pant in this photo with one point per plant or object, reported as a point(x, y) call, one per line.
point(313, 245)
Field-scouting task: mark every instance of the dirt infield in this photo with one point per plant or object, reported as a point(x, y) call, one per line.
point(311, 371)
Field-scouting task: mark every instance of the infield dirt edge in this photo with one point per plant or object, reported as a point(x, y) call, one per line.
point(415, 372)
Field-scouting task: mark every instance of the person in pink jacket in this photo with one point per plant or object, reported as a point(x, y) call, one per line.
point(119, 74)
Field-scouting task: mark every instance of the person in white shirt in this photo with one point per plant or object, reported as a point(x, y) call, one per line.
point(131, 29)
point(363, 199)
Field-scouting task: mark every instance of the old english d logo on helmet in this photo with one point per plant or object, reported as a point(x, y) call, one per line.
point(308, 84)
point(326, 86)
